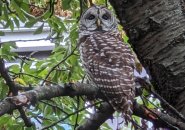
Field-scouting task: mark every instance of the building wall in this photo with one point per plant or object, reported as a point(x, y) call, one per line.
point(41, 47)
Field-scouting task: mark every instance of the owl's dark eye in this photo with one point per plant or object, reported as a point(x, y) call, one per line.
point(91, 17)
point(105, 16)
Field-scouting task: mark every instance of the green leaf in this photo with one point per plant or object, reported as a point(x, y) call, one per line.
point(145, 92)
point(25, 7)
point(1, 6)
point(5, 51)
point(59, 127)
point(59, 22)
point(41, 65)
point(27, 66)
point(125, 38)
point(39, 29)
point(6, 18)
point(4, 119)
point(15, 68)
point(73, 35)
point(66, 4)
point(8, 45)
point(16, 21)
point(73, 60)
point(29, 128)
point(47, 14)
point(3, 89)
point(14, 127)
point(11, 25)
point(2, 33)
point(19, 12)
point(146, 102)
point(54, 25)
point(137, 119)
point(56, 76)
point(30, 23)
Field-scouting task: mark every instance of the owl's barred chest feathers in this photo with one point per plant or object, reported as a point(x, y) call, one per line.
point(105, 47)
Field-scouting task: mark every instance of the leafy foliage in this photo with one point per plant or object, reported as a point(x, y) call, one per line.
point(61, 66)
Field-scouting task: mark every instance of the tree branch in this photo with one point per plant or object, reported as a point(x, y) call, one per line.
point(7, 78)
point(162, 120)
point(96, 120)
point(79, 89)
point(149, 87)
point(14, 91)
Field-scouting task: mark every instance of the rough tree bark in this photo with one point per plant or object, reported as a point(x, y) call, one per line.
point(156, 29)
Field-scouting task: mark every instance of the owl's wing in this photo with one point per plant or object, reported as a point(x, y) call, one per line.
point(115, 87)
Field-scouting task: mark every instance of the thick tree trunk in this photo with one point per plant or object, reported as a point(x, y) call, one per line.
point(156, 29)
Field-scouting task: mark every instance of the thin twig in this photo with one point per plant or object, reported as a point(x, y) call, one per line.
point(77, 114)
point(54, 67)
point(52, 2)
point(8, 7)
point(34, 77)
point(26, 120)
point(148, 86)
point(53, 124)
point(106, 3)
point(171, 126)
point(49, 104)
point(170, 107)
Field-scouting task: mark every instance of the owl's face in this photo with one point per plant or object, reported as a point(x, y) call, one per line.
point(98, 18)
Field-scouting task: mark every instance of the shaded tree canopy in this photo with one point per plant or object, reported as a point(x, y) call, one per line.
point(52, 93)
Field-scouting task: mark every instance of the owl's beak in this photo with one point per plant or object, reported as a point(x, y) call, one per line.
point(98, 23)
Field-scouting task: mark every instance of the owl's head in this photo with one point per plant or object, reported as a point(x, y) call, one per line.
point(98, 18)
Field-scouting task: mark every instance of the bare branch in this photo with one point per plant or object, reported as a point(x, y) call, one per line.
point(36, 77)
point(7, 78)
point(148, 86)
point(162, 120)
point(95, 121)
point(49, 104)
point(14, 91)
point(79, 89)
point(45, 92)
point(8, 6)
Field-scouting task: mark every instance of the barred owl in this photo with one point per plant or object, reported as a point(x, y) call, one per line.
point(107, 60)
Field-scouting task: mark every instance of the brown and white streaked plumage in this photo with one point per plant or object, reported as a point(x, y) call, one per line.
point(107, 60)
